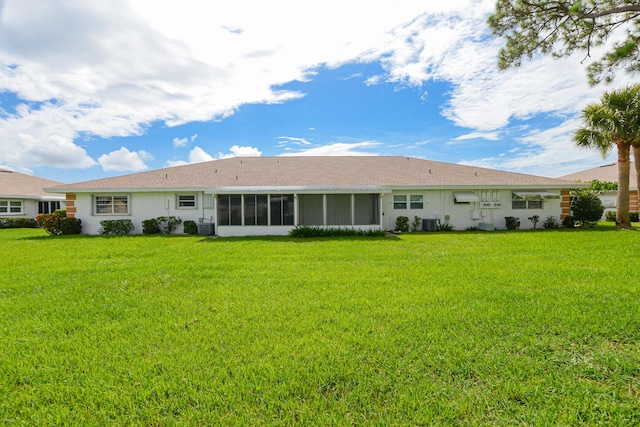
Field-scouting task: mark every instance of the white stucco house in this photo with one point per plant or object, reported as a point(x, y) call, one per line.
point(272, 195)
point(23, 196)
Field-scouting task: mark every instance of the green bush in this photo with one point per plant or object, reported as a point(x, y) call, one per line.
point(116, 226)
point(61, 212)
point(317, 231)
point(512, 222)
point(168, 223)
point(70, 225)
point(534, 220)
point(18, 223)
point(550, 223)
point(417, 221)
point(569, 222)
point(587, 209)
point(402, 224)
point(445, 227)
point(150, 226)
point(190, 227)
point(634, 216)
point(611, 216)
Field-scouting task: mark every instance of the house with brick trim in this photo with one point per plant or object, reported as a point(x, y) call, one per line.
point(272, 195)
point(23, 196)
point(609, 173)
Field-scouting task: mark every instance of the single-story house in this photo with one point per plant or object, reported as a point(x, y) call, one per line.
point(609, 173)
point(23, 196)
point(271, 195)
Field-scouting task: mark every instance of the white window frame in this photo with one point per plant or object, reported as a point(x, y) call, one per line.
point(8, 207)
point(112, 204)
point(183, 203)
point(538, 204)
point(416, 201)
point(400, 202)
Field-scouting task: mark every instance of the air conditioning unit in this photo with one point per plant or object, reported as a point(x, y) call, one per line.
point(429, 225)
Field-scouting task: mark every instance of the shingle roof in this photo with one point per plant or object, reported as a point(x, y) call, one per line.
point(15, 184)
point(316, 173)
point(607, 173)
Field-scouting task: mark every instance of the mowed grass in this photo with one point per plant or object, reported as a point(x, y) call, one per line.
point(501, 328)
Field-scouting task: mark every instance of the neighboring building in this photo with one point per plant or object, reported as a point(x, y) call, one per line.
point(23, 195)
point(609, 173)
point(272, 195)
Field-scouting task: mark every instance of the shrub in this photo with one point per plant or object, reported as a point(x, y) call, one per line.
point(116, 226)
point(402, 224)
point(416, 223)
point(569, 222)
point(634, 216)
point(534, 220)
point(587, 209)
point(190, 227)
point(18, 223)
point(168, 223)
point(316, 231)
point(550, 222)
point(70, 225)
point(445, 227)
point(512, 222)
point(61, 212)
point(611, 216)
point(51, 223)
point(150, 226)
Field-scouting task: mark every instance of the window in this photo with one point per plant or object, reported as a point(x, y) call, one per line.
point(519, 202)
point(186, 201)
point(111, 205)
point(281, 209)
point(416, 201)
point(230, 209)
point(48, 207)
point(256, 211)
point(400, 201)
point(10, 206)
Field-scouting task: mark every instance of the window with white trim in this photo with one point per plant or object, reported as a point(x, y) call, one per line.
point(519, 202)
point(399, 201)
point(8, 207)
point(111, 205)
point(186, 201)
point(416, 201)
point(48, 207)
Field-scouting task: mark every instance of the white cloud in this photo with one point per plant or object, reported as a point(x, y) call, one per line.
point(198, 155)
point(124, 160)
point(284, 141)
point(338, 149)
point(491, 136)
point(180, 142)
point(237, 151)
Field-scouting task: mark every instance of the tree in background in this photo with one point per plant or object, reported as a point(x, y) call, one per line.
point(614, 121)
point(562, 27)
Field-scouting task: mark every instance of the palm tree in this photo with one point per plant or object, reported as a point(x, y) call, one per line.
point(615, 121)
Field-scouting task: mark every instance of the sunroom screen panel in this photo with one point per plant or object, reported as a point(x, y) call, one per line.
point(338, 209)
point(310, 209)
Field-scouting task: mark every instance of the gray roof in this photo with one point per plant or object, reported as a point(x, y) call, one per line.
point(608, 173)
point(309, 173)
point(20, 185)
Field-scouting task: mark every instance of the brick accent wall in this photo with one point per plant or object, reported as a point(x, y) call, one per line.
point(71, 205)
point(565, 204)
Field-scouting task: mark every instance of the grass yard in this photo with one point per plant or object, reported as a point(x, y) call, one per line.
point(501, 328)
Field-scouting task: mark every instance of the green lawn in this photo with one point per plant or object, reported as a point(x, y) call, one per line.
point(463, 328)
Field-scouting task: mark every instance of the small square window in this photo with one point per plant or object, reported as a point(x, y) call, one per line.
point(186, 201)
point(400, 201)
point(416, 201)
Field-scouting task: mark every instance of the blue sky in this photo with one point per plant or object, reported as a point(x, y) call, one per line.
point(90, 89)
